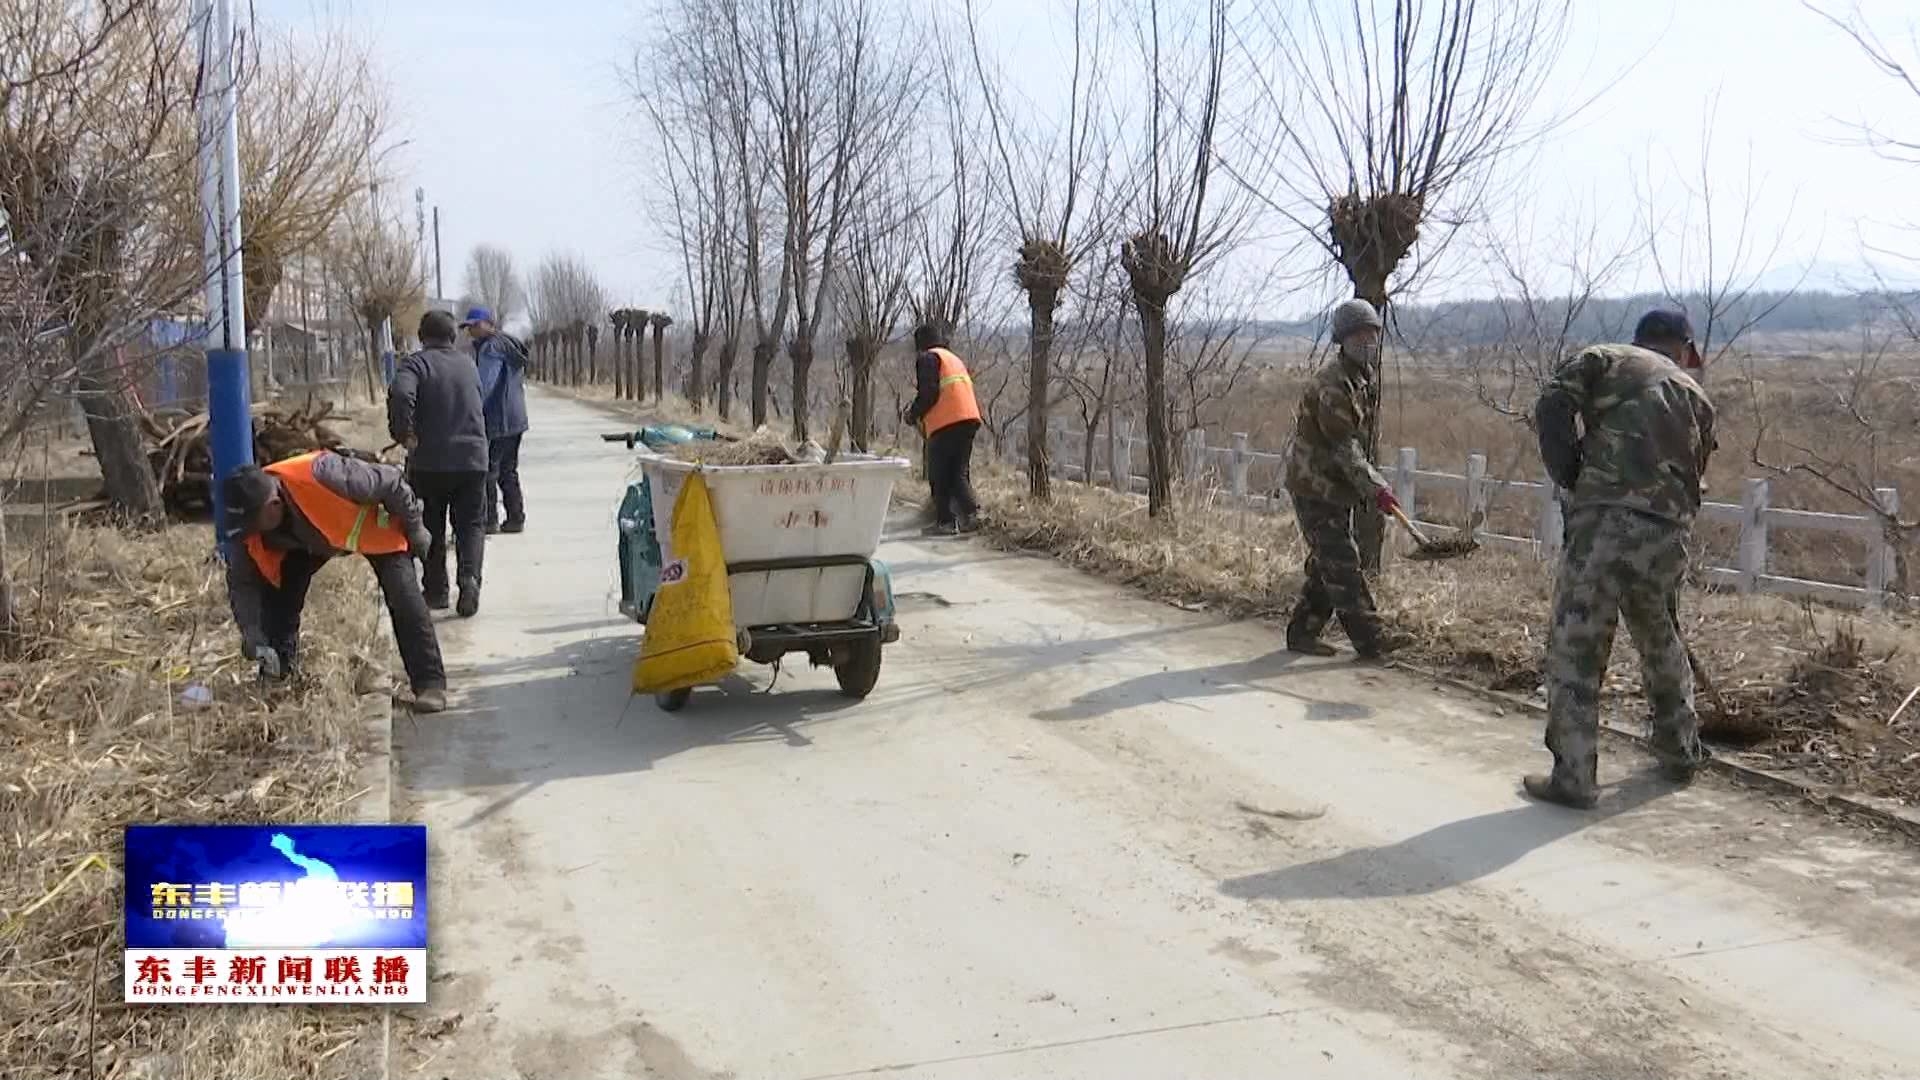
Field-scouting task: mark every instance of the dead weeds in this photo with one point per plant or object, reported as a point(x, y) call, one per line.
point(132, 705)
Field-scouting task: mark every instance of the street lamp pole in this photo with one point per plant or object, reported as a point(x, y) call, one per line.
point(229, 408)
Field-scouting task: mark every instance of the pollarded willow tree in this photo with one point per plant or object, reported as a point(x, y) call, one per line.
point(1182, 216)
point(1380, 125)
point(1048, 168)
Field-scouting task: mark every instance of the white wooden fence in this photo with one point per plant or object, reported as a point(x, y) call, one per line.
point(1250, 478)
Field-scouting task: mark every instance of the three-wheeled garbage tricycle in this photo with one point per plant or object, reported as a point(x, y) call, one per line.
point(799, 541)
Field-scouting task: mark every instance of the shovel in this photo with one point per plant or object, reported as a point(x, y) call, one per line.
point(1453, 547)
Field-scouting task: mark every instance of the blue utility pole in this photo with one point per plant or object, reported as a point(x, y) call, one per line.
point(229, 410)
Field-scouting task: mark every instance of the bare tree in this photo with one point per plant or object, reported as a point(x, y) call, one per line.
point(380, 275)
point(839, 105)
point(872, 295)
point(493, 282)
point(568, 299)
point(1180, 219)
point(1390, 116)
point(89, 96)
point(1046, 172)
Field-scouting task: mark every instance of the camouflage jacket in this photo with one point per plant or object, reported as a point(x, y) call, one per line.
point(1644, 434)
point(1326, 458)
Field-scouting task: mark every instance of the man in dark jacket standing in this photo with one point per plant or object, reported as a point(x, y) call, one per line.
point(948, 415)
point(433, 409)
point(502, 362)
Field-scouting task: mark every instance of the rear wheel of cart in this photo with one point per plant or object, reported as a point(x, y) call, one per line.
point(673, 700)
point(861, 670)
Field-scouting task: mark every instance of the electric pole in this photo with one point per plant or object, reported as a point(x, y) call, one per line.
point(229, 408)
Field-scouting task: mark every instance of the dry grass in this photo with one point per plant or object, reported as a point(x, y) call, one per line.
point(94, 735)
point(1803, 689)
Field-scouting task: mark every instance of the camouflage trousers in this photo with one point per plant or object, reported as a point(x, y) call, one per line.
point(1618, 565)
point(1335, 584)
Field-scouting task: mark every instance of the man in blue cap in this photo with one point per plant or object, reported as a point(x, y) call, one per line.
point(502, 363)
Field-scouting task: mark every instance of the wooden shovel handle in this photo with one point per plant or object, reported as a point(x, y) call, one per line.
point(1407, 523)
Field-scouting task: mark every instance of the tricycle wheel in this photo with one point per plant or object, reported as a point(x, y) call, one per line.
point(861, 670)
point(673, 700)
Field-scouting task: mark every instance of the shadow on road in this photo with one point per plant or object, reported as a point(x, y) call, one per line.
point(1441, 858)
point(570, 713)
point(1218, 680)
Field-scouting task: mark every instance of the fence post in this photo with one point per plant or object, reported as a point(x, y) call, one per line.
point(1880, 554)
point(1237, 468)
point(1476, 494)
point(1403, 486)
point(1550, 530)
point(1120, 468)
point(1197, 459)
point(1753, 535)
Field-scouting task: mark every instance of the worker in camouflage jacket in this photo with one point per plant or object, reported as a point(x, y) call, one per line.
point(1625, 432)
point(1330, 480)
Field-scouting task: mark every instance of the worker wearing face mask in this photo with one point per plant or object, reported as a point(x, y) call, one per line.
point(1330, 480)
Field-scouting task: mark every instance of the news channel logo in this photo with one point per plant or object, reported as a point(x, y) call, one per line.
point(310, 914)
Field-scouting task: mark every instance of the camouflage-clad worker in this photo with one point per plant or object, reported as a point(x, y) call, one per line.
point(1330, 480)
point(1631, 473)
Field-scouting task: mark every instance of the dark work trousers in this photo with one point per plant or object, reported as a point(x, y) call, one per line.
point(1334, 584)
point(503, 480)
point(462, 496)
point(280, 610)
point(950, 473)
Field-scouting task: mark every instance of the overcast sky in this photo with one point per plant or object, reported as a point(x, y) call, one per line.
point(518, 129)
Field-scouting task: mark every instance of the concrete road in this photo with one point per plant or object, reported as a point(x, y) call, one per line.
point(1078, 835)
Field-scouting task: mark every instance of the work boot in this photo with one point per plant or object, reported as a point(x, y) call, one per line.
point(515, 526)
point(968, 525)
point(1383, 644)
point(943, 528)
point(432, 700)
point(1548, 789)
point(1307, 646)
point(1678, 767)
point(493, 528)
point(438, 601)
point(469, 598)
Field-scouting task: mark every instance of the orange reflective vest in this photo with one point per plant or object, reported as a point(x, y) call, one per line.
point(347, 525)
point(956, 403)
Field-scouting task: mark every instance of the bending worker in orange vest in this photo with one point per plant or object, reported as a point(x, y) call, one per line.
point(294, 515)
point(948, 415)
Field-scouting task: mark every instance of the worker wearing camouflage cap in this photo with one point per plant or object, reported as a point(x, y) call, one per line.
point(1625, 432)
point(1330, 480)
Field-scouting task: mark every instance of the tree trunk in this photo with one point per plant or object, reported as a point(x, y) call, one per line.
point(638, 354)
point(619, 363)
point(800, 351)
point(1153, 329)
point(1086, 449)
point(1039, 387)
point(723, 391)
point(124, 467)
point(697, 373)
point(659, 363)
point(762, 371)
point(593, 360)
point(861, 354)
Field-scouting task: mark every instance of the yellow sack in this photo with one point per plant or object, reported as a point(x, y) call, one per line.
point(689, 637)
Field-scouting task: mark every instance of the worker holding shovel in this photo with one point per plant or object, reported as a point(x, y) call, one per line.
point(1330, 480)
point(1626, 432)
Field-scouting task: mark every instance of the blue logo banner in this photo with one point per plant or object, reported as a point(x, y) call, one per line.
point(240, 887)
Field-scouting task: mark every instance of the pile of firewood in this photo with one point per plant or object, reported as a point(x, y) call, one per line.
point(183, 460)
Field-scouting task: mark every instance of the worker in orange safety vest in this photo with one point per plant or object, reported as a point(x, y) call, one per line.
point(289, 518)
point(948, 414)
